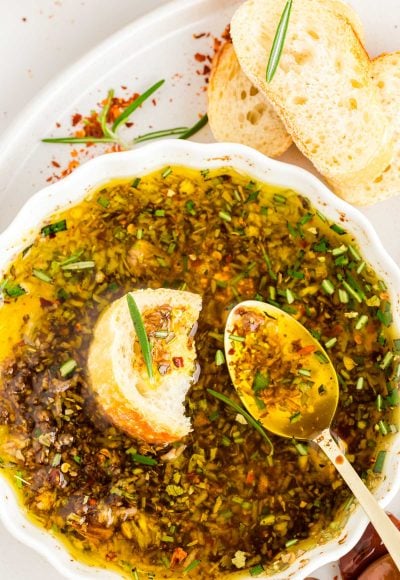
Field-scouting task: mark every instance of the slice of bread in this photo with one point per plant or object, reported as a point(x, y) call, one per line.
point(153, 412)
point(238, 112)
point(322, 89)
point(386, 76)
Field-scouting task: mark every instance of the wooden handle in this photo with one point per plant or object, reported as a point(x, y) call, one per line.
point(388, 532)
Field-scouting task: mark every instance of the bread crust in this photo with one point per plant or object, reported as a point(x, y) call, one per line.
point(131, 414)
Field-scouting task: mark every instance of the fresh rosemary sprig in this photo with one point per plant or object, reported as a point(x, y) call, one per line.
point(110, 135)
point(249, 418)
point(141, 334)
point(279, 41)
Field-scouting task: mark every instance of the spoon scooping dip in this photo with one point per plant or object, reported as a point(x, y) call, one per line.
point(287, 382)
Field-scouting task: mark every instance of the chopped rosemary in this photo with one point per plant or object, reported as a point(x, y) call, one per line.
point(191, 566)
point(86, 265)
point(249, 418)
point(141, 334)
point(327, 286)
point(42, 275)
point(160, 134)
point(219, 358)
point(278, 42)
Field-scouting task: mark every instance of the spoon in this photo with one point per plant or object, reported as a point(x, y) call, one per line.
point(287, 382)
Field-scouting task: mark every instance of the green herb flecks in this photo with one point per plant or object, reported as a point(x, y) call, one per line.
point(141, 334)
point(278, 42)
point(249, 418)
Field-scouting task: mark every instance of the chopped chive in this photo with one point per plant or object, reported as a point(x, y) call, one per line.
point(253, 196)
point(387, 360)
point(300, 448)
point(167, 171)
point(380, 460)
point(67, 368)
point(136, 182)
point(351, 291)
point(331, 342)
point(268, 264)
point(52, 229)
point(394, 398)
point(343, 296)
point(341, 261)
point(382, 428)
point(289, 296)
point(237, 338)
point(219, 358)
point(354, 253)
point(141, 334)
point(321, 216)
point(295, 417)
point(56, 460)
point(304, 372)
point(103, 201)
point(327, 286)
point(306, 218)
point(249, 418)
point(42, 275)
point(339, 250)
point(321, 357)
point(87, 265)
point(379, 403)
point(321, 246)
point(291, 542)
point(360, 384)
point(195, 128)
point(13, 291)
point(280, 199)
point(361, 322)
point(260, 382)
point(143, 459)
point(135, 104)
point(256, 570)
point(224, 215)
point(384, 314)
point(396, 345)
point(159, 212)
point(337, 229)
point(191, 566)
point(278, 42)
point(190, 207)
point(361, 267)
point(139, 234)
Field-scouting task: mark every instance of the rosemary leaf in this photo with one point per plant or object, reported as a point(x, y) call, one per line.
point(103, 115)
point(135, 104)
point(160, 134)
point(141, 334)
point(279, 41)
point(196, 127)
point(78, 140)
point(249, 418)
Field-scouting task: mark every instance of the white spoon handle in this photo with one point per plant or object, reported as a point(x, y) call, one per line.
point(388, 532)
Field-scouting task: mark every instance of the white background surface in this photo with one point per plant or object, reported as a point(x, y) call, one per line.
point(38, 39)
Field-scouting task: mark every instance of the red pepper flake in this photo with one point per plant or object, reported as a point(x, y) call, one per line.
point(250, 477)
point(201, 35)
point(177, 557)
point(178, 361)
point(200, 57)
point(44, 303)
point(77, 118)
point(55, 163)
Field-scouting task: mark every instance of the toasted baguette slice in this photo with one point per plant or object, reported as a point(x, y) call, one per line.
point(238, 112)
point(386, 76)
point(117, 371)
point(322, 89)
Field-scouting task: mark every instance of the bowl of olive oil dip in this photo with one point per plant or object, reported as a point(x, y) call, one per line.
point(225, 501)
